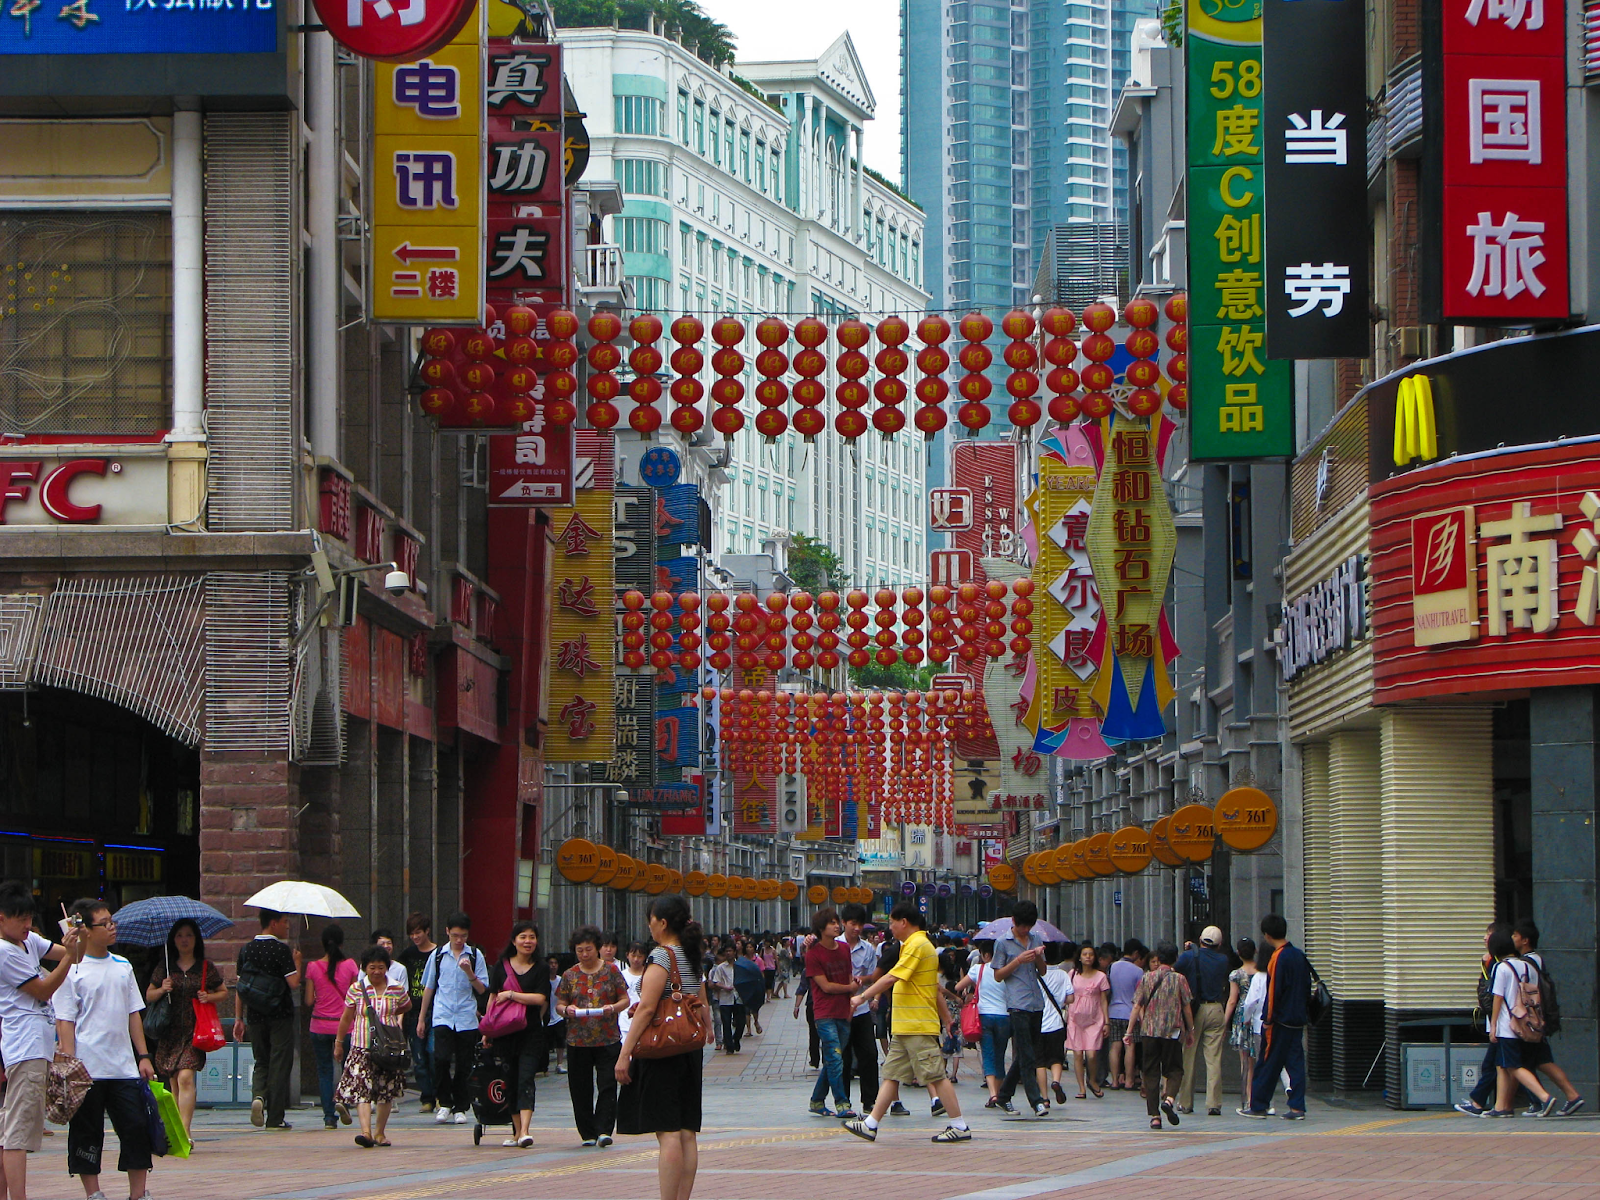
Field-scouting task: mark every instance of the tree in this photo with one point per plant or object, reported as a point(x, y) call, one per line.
point(902, 677)
point(813, 565)
point(712, 40)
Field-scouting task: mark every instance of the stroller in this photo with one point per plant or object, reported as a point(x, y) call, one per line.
point(493, 1098)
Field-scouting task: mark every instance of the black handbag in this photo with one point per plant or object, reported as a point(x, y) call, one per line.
point(158, 1017)
point(387, 1045)
point(1320, 1003)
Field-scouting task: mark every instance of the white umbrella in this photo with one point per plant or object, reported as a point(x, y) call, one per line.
point(307, 899)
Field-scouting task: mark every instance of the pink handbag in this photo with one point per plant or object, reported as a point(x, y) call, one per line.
point(505, 1017)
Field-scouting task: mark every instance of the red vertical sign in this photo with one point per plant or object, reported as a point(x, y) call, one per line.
point(1505, 160)
point(526, 256)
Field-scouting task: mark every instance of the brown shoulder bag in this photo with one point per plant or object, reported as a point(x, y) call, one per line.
point(680, 1024)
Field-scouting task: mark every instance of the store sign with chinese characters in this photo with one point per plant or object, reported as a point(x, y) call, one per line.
point(1503, 72)
point(950, 509)
point(1328, 618)
point(143, 26)
point(632, 764)
point(1485, 574)
point(987, 472)
point(526, 252)
point(532, 465)
point(427, 179)
point(582, 634)
point(1241, 403)
point(1315, 126)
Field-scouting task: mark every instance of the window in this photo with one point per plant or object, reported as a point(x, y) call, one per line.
point(993, 53)
point(716, 142)
point(649, 293)
point(643, 235)
point(85, 322)
point(744, 155)
point(639, 114)
point(700, 126)
point(643, 176)
point(683, 117)
point(761, 166)
point(727, 141)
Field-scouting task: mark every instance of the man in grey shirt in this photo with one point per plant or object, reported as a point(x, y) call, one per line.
point(1016, 964)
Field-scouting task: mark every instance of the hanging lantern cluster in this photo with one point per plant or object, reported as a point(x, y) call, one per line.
point(1142, 342)
point(810, 361)
point(687, 362)
point(1098, 346)
point(478, 378)
point(771, 364)
point(974, 387)
point(646, 361)
point(1021, 357)
point(932, 391)
point(1177, 309)
point(890, 390)
point(604, 358)
point(852, 364)
point(728, 363)
point(1060, 352)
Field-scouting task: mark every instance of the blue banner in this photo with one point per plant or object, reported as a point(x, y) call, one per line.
point(139, 27)
point(677, 517)
point(678, 735)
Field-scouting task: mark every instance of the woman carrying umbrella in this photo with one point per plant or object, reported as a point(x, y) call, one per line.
point(183, 976)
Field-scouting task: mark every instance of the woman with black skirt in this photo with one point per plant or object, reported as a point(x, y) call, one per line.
point(521, 978)
point(662, 1095)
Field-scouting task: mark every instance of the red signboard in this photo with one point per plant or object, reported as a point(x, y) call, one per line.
point(522, 81)
point(395, 30)
point(1485, 574)
point(691, 823)
point(988, 472)
point(534, 465)
point(1504, 160)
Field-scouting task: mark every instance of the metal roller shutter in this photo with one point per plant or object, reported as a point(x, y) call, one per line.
point(1355, 864)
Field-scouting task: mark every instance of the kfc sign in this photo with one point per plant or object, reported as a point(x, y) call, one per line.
point(1505, 160)
point(395, 30)
point(53, 485)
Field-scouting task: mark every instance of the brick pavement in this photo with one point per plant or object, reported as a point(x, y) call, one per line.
point(759, 1144)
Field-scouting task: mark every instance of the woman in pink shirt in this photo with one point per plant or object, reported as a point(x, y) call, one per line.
point(327, 981)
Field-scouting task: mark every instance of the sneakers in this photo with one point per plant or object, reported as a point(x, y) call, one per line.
point(1008, 1108)
point(899, 1110)
point(1495, 1112)
point(1469, 1108)
point(1213, 1112)
point(441, 1115)
point(603, 1140)
point(460, 1118)
point(1041, 1110)
point(952, 1134)
point(819, 1109)
point(344, 1113)
point(846, 1113)
point(281, 1125)
point(1294, 1114)
point(1188, 1112)
point(1253, 1114)
point(859, 1128)
point(1549, 1105)
point(1171, 1109)
point(937, 1108)
point(1534, 1110)
point(327, 1123)
point(1571, 1107)
point(590, 1143)
point(258, 1113)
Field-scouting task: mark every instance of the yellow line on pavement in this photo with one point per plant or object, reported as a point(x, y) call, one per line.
point(1370, 1126)
point(599, 1162)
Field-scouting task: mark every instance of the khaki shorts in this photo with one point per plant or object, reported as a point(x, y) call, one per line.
point(914, 1058)
point(22, 1116)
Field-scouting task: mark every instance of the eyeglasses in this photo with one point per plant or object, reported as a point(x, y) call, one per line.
point(108, 923)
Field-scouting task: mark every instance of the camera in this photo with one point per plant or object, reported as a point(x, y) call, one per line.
point(396, 583)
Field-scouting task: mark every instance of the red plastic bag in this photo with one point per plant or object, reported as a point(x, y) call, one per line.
point(207, 1027)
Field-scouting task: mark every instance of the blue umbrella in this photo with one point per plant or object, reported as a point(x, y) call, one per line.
point(147, 922)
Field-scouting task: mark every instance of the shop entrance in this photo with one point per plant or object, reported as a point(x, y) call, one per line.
point(94, 801)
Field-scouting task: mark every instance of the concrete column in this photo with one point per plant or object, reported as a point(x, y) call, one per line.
point(1564, 728)
point(186, 451)
point(322, 220)
point(858, 188)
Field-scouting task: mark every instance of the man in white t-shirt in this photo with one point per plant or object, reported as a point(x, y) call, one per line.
point(27, 1027)
point(398, 975)
point(98, 1022)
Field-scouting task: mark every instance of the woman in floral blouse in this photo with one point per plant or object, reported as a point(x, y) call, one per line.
point(589, 999)
point(365, 1084)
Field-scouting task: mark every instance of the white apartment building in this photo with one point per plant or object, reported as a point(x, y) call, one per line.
point(745, 193)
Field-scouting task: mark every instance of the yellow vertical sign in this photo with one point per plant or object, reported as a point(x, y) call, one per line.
point(428, 185)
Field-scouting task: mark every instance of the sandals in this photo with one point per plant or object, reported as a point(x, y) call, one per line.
point(364, 1141)
point(1083, 1096)
point(1098, 1094)
point(1155, 1122)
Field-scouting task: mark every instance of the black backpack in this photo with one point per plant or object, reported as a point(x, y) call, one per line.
point(1485, 992)
point(1549, 1003)
point(263, 995)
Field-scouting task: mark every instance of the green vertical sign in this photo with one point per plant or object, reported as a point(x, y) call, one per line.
point(1241, 405)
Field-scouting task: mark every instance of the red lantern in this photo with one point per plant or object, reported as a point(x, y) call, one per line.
point(932, 361)
point(604, 357)
point(809, 363)
point(771, 392)
point(1099, 317)
point(1144, 402)
point(442, 404)
point(1177, 307)
point(727, 362)
point(974, 387)
point(645, 359)
point(1096, 405)
point(890, 389)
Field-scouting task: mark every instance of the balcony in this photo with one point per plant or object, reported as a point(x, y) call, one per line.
point(600, 278)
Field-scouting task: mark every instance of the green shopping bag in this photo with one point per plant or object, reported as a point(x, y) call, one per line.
point(178, 1140)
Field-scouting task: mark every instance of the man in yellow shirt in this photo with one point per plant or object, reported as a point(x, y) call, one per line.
point(917, 1019)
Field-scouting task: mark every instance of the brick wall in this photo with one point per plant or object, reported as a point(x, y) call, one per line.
point(1404, 217)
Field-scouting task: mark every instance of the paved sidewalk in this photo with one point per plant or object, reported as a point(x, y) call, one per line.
point(759, 1144)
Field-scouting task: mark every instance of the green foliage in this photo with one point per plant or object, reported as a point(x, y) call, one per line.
point(902, 677)
point(1172, 23)
point(712, 40)
point(893, 187)
point(814, 566)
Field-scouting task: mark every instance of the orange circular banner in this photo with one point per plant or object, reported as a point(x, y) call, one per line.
point(1160, 849)
point(1192, 833)
point(606, 871)
point(626, 869)
point(1246, 818)
point(1097, 853)
point(695, 883)
point(841, 895)
point(655, 876)
point(674, 881)
point(1002, 877)
point(735, 887)
point(750, 887)
point(717, 886)
point(1029, 873)
point(1044, 866)
point(1129, 850)
point(1061, 860)
point(641, 875)
point(578, 859)
point(1080, 858)
point(817, 894)
point(789, 889)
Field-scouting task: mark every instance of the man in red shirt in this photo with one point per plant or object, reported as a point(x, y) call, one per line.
point(832, 984)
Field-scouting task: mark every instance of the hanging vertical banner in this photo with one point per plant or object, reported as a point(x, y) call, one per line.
point(1241, 404)
point(633, 763)
point(677, 731)
point(1131, 542)
point(526, 243)
point(1502, 70)
point(427, 179)
point(1313, 66)
point(677, 575)
point(635, 539)
point(677, 518)
point(752, 792)
point(582, 646)
point(987, 472)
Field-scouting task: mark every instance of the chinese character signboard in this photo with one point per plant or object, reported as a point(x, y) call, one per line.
point(533, 465)
point(633, 761)
point(1493, 595)
point(635, 538)
point(396, 30)
point(582, 645)
point(950, 509)
point(1242, 404)
point(1131, 542)
point(1330, 617)
point(1315, 129)
point(142, 27)
point(1500, 68)
point(677, 519)
point(987, 472)
point(427, 181)
point(526, 251)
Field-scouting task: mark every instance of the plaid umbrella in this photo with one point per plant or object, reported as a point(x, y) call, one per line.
point(147, 922)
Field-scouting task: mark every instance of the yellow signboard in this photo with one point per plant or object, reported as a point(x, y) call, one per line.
point(428, 209)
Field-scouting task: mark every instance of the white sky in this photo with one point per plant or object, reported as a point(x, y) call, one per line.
point(774, 31)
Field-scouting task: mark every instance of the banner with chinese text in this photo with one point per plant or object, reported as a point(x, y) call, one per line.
point(582, 650)
point(633, 761)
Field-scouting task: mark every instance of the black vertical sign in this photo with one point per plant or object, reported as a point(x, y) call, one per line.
point(634, 539)
point(1315, 112)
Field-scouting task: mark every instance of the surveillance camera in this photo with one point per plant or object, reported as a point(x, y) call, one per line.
point(397, 583)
